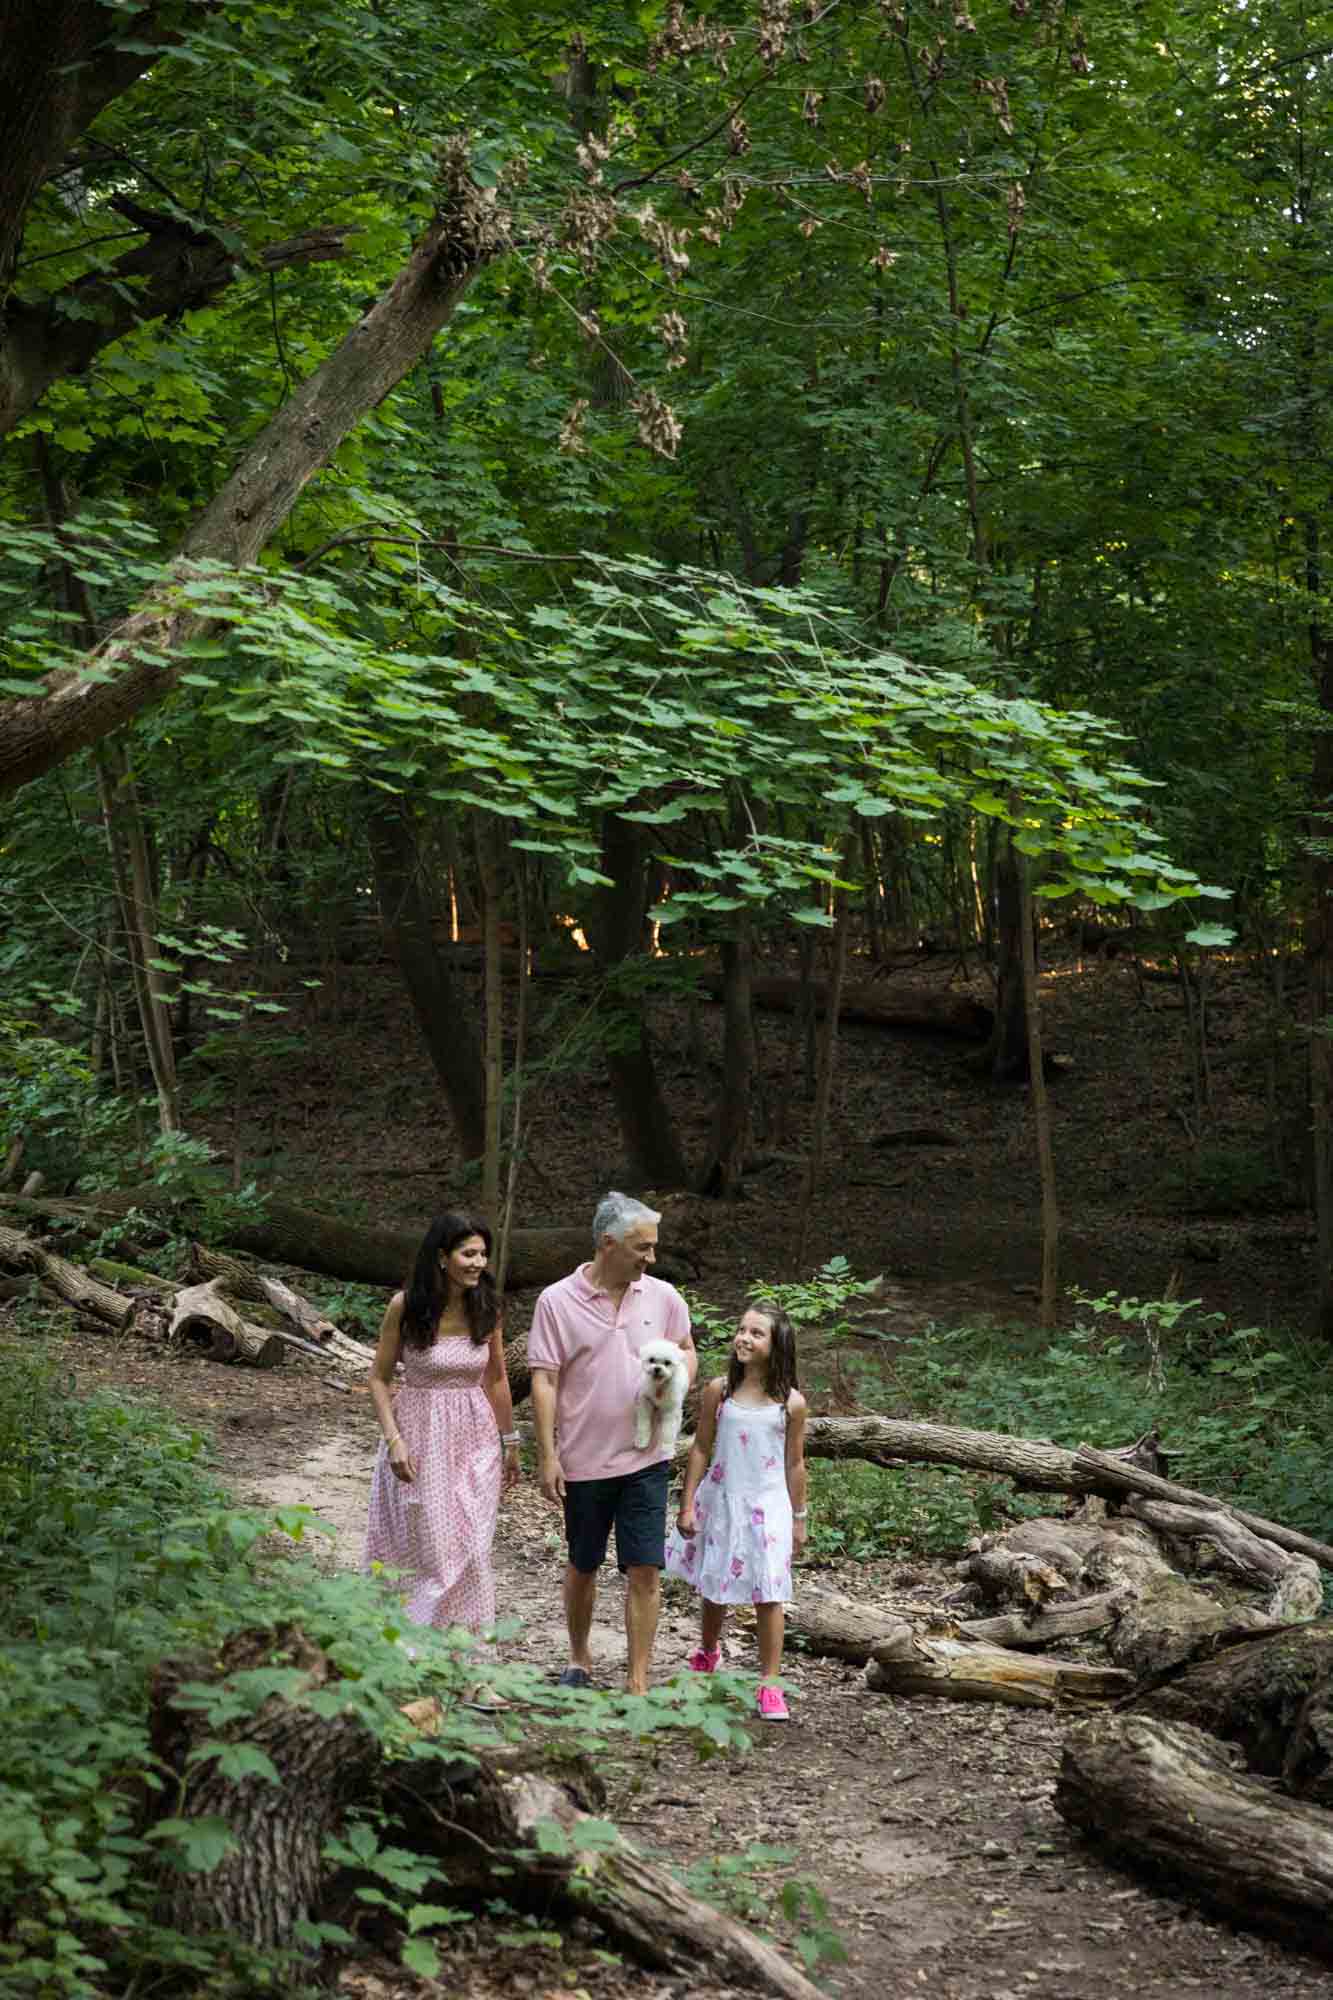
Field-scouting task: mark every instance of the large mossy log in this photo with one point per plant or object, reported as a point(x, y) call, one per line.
point(1167, 1798)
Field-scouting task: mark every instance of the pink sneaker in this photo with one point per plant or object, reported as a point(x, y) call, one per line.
point(701, 1662)
point(773, 1705)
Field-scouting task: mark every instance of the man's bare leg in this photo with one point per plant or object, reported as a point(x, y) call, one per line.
point(643, 1601)
point(580, 1597)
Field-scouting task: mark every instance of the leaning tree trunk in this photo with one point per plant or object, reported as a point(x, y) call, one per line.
point(437, 1000)
point(141, 660)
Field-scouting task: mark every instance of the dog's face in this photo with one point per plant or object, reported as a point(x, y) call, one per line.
point(659, 1360)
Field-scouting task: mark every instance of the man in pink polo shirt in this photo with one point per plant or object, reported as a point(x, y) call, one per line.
point(583, 1350)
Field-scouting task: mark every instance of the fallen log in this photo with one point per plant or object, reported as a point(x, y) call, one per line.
point(1167, 1797)
point(281, 1232)
point(1071, 1620)
point(479, 1816)
point(318, 1334)
point(201, 1313)
point(1103, 1472)
point(18, 1254)
point(965, 1670)
point(1270, 1695)
point(840, 1628)
point(872, 1006)
point(644, 1908)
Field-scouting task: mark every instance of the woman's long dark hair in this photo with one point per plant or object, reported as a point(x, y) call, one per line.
point(426, 1293)
point(781, 1377)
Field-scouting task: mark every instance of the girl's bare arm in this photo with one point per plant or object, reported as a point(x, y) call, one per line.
point(701, 1451)
point(796, 1483)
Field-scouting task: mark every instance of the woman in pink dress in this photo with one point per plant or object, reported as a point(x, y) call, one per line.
point(449, 1446)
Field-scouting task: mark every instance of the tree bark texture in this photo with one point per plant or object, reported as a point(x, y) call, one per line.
point(479, 1817)
point(139, 660)
point(971, 1670)
point(1167, 1798)
point(873, 1006)
point(731, 1130)
point(1009, 1042)
point(437, 1000)
point(18, 1253)
point(282, 1233)
point(1272, 1695)
point(272, 1877)
point(652, 1149)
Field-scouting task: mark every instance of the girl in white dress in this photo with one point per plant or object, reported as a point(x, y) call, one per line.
point(742, 1507)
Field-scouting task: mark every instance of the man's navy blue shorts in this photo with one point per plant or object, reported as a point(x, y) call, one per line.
point(634, 1504)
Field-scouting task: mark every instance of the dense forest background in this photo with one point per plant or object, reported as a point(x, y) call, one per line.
point(603, 505)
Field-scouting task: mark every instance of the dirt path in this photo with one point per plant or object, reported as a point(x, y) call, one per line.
point(929, 1826)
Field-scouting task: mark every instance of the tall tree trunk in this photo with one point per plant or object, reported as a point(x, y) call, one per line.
point(139, 661)
point(1319, 955)
point(828, 1058)
point(435, 995)
point(1009, 1044)
point(126, 841)
point(490, 839)
point(520, 1057)
point(1041, 1109)
point(651, 1146)
point(731, 1132)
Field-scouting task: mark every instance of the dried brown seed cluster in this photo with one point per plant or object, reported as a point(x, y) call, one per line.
point(659, 427)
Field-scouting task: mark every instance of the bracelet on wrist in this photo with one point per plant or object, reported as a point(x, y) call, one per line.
point(389, 1443)
point(508, 1437)
point(799, 1513)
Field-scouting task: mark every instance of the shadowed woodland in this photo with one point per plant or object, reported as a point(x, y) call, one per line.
point(732, 602)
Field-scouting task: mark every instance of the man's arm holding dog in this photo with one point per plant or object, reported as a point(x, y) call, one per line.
point(684, 1339)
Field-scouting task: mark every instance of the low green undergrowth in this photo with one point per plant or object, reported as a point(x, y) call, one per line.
point(118, 1551)
point(1244, 1414)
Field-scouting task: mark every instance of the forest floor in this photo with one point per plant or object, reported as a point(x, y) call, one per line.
point(929, 1826)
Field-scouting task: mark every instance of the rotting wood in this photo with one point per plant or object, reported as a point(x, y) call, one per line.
point(477, 1816)
point(18, 1253)
point(1167, 1798)
point(319, 1334)
point(644, 1909)
point(1072, 1620)
point(201, 1313)
point(1103, 1472)
point(1269, 1693)
point(965, 1670)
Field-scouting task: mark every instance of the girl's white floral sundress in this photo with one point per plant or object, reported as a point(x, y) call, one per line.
point(742, 1552)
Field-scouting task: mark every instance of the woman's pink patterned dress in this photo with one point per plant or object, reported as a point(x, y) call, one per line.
point(437, 1533)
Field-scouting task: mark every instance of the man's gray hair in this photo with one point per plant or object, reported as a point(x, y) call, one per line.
point(616, 1213)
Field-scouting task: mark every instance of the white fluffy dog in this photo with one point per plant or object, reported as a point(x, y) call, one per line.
point(663, 1380)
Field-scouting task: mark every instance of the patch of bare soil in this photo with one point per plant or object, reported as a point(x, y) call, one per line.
point(928, 1825)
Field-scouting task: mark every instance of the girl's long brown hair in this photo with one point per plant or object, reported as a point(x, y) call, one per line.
point(781, 1377)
